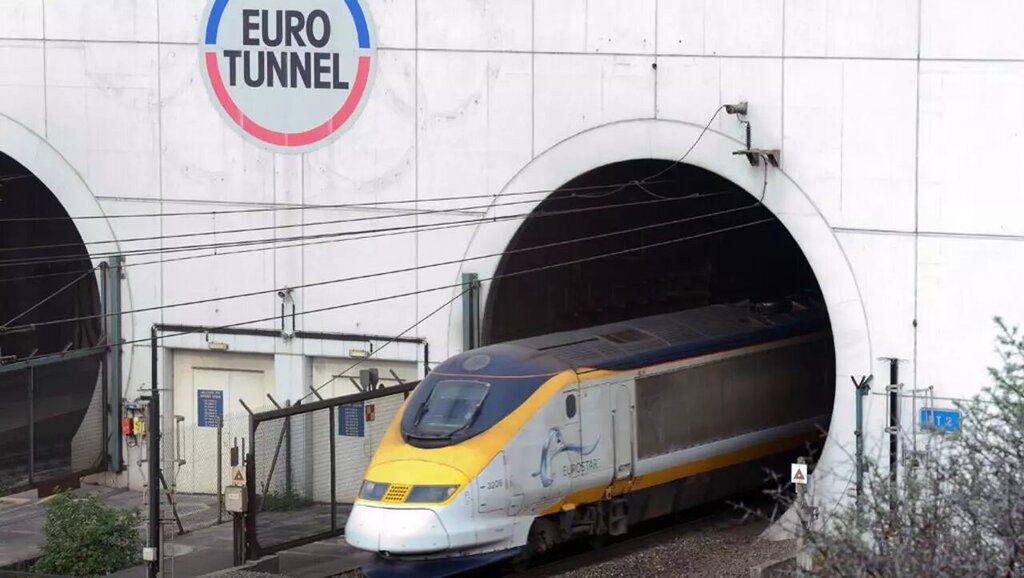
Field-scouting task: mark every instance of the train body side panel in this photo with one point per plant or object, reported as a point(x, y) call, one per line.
point(541, 453)
point(598, 467)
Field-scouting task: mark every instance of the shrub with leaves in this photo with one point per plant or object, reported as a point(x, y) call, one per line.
point(86, 538)
point(283, 501)
point(957, 508)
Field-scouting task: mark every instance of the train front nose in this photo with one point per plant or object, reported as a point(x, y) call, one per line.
point(396, 530)
point(400, 505)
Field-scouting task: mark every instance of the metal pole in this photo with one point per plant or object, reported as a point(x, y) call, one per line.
point(426, 358)
point(108, 404)
point(894, 425)
point(470, 311)
point(238, 538)
point(862, 387)
point(334, 501)
point(803, 558)
point(31, 425)
point(220, 470)
point(154, 463)
point(288, 453)
point(250, 488)
point(114, 342)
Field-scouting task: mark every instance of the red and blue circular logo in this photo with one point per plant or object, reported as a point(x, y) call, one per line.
point(288, 76)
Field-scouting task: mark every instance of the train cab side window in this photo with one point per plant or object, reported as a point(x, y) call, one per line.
point(570, 406)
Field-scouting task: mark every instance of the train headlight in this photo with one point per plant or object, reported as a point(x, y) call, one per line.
point(430, 494)
point(373, 490)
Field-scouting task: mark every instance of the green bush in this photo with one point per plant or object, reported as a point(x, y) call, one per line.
point(284, 501)
point(86, 538)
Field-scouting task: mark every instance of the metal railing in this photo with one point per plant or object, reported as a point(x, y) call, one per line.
point(306, 462)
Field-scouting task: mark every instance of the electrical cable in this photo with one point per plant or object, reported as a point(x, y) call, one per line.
point(275, 208)
point(315, 390)
point(647, 179)
point(425, 227)
point(688, 151)
point(431, 289)
point(250, 242)
point(44, 275)
point(300, 243)
point(389, 272)
point(616, 188)
point(417, 212)
point(6, 326)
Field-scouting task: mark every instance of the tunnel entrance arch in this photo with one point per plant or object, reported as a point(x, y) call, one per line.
point(663, 141)
point(703, 241)
point(51, 378)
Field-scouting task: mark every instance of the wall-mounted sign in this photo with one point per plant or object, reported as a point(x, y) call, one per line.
point(350, 420)
point(209, 407)
point(289, 76)
point(798, 473)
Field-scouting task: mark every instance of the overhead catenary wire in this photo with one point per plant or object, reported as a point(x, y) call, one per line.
point(615, 188)
point(277, 243)
point(310, 207)
point(693, 145)
point(365, 276)
point(412, 213)
point(261, 241)
point(360, 361)
point(42, 301)
point(431, 289)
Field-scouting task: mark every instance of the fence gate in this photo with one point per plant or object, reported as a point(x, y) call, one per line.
point(53, 423)
point(306, 463)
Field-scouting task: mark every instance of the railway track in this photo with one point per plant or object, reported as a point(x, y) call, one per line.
point(576, 556)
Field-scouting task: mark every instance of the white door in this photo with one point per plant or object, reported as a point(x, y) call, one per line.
point(236, 384)
point(216, 389)
point(622, 421)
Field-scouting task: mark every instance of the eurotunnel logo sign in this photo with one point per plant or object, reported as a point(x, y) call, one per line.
point(289, 76)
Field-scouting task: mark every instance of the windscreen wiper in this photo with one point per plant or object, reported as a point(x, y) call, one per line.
point(469, 422)
point(419, 414)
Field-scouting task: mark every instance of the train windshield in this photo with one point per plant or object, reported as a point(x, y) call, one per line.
point(451, 407)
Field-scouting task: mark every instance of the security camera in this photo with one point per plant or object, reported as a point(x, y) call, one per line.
point(738, 108)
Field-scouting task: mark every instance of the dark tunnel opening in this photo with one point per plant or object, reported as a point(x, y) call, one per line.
point(760, 262)
point(723, 247)
point(34, 217)
point(45, 275)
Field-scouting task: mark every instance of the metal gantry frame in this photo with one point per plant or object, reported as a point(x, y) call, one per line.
point(288, 413)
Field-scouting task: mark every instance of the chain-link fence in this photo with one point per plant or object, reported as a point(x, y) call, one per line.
point(308, 462)
point(198, 448)
point(52, 421)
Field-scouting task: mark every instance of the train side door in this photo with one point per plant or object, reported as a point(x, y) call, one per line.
point(570, 445)
point(597, 436)
point(622, 424)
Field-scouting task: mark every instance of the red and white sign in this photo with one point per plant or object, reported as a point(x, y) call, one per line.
point(289, 76)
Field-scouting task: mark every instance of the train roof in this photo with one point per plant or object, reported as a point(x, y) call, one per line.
point(659, 338)
point(642, 342)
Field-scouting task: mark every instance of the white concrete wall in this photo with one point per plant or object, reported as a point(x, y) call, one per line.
point(899, 124)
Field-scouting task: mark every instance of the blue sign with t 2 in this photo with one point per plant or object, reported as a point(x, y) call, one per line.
point(940, 419)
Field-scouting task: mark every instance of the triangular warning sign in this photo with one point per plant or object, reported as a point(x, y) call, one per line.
point(238, 478)
point(799, 476)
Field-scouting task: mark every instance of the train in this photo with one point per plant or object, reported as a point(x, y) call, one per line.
point(505, 451)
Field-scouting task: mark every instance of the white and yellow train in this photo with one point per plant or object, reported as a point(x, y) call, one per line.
point(504, 451)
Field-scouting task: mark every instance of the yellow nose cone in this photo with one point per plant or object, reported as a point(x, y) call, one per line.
point(414, 472)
